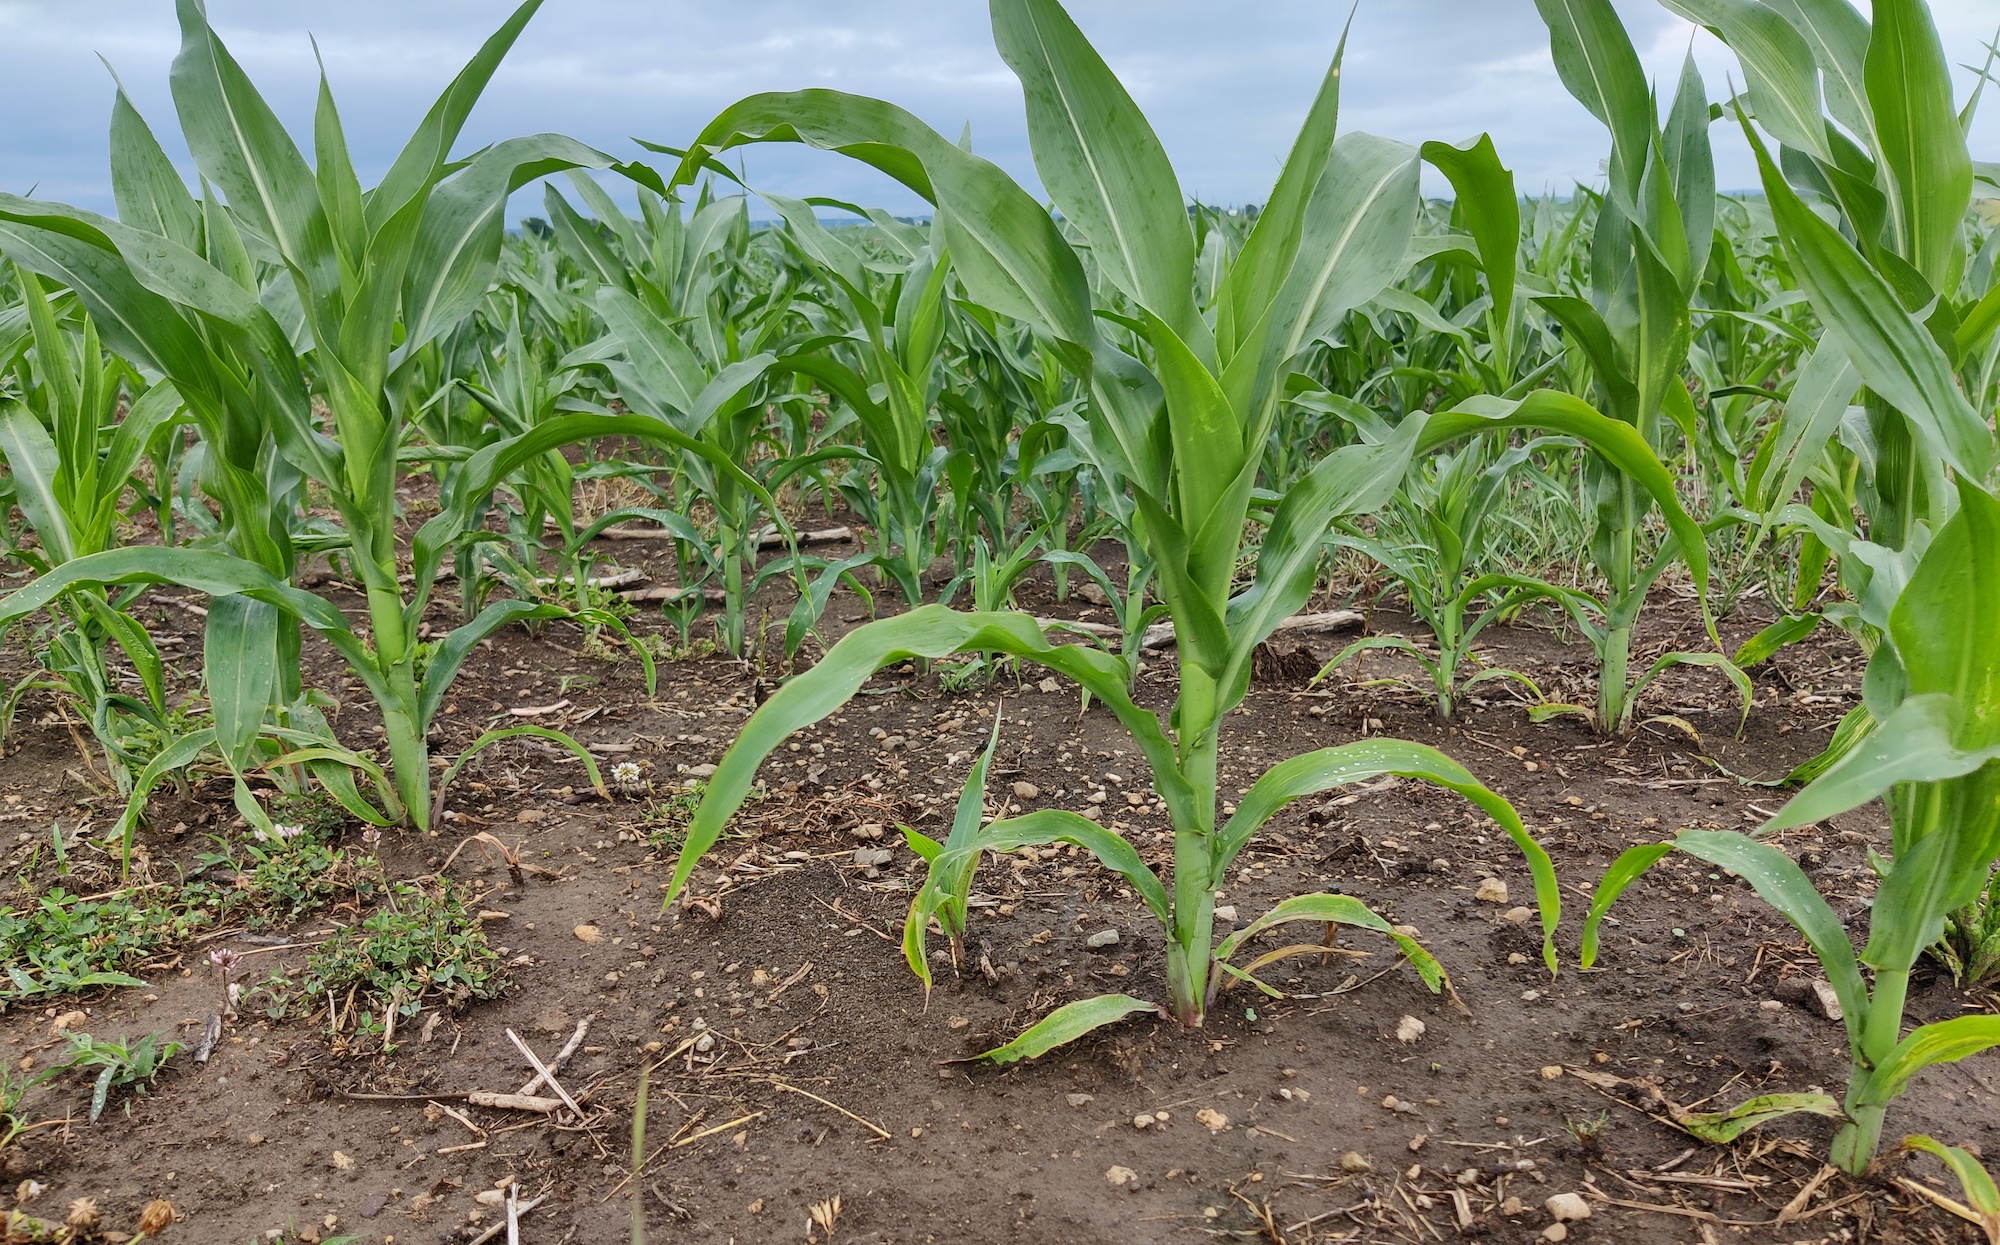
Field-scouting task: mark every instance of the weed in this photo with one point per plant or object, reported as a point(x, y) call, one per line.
point(119, 1064)
point(427, 948)
point(65, 943)
point(666, 819)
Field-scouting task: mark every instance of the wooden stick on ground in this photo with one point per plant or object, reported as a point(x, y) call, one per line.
point(500, 1227)
point(562, 1058)
point(547, 1076)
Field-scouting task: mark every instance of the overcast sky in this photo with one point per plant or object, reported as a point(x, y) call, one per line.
point(1225, 83)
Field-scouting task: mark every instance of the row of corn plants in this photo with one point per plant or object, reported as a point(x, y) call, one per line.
point(1512, 407)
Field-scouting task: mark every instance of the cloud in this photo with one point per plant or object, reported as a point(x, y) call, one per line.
point(1225, 86)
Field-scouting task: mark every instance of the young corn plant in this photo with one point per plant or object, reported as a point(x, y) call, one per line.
point(362, 282)
point(1934, 685)
point(1184, 434)
point(1653, 231)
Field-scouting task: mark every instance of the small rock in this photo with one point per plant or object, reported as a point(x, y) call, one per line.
point(373, 1206)
point(1417, 1142)
point(1829, 1001)
point(1552, 1072)
point(67, 1021)
point(1120, 1177)
point(1516, 958)
point(1076, 1100)
point(1225, 912)
point(491, 1197)
point(705, 1043)
point(1143, 1122)
point(1555, 1233)
point(494, 914)
point(341, 1162)
point(1101, 939)
point(870, 857)
point(700, 771)
point(1409, 1029)
point(1491, 890)
point(588, 933)
point(1440, 865)
point(1513, 1207)
point(1771, 1005)
point(1211, 1119)
point(1026, 791)
point(1353, 1161)
point(1518, 915)
point(1567, 1207)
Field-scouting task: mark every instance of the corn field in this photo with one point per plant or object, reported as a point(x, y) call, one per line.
point(382, 424)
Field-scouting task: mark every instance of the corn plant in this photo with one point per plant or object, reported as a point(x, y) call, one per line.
point(1934, 685)
point(1183, 435)
point(71, 461)
point(363, 282)
point(1653, 232)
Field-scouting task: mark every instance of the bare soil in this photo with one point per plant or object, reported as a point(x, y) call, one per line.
point(833, 1077)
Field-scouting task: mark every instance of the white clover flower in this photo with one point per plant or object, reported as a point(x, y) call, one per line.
point(625, 773)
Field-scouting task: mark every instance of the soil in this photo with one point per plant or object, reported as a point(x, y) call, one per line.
point(833, 1080)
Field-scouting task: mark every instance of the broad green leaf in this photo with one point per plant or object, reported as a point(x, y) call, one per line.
point(1490, 208)
point(1066, 1024)
point(148, 190)
point(241, 146)
point(1631, 864)
point(1781, 75)
point(1719, 1128)
point(1914, 744)
point(1341, 910)
point(1273, 245)
point(1552, 411)
point(1327, 768)
point(1945, 1041)
point(33, 464)
point(1972, 1175)
point(1838, 37)
point(1895, 355)
point(1102, 163)
point(1006, 248)
point(239, 654)
point(1354, 479)
point(1918, 135)
point(424, 157)
point(1595, 60)
point(1819, 399)
point(1782, 884)
point(1946, 620)
point(1766, 644)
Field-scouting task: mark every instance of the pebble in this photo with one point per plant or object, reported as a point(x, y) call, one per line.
point(1555, 1232)
point(1077, 1100)
point(1552, 1072)
point(700, 771)
point(872, 856)
point(1120, 1177)
point(1353, 1161)
point(1101, 939)
point(342, 1162)
point(1516, 958)
point(1143, 1122)
point(1409, 1029)
point(1491, 890)
point(1440, 865)
point(588, 933)
point(705, 1043)
point(1211, 1119)
point(1225, 912)
point(1026, 791)
point(1771, 1005)
point(1567, 1207)
point(1518, 915)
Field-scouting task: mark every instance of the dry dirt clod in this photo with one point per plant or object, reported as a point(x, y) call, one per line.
point(588, 934)
point(1211, 1119)
point(1143, 1122)
point(1354, 1161)
point(1409, 1029)
point(1077, 1100)
point(1567, 1207)
point(1491, 890)
point(1101, 939)
point(1120, 1177)
point(1518, 915)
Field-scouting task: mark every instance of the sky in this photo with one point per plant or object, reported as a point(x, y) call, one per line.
point(1224, 83)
